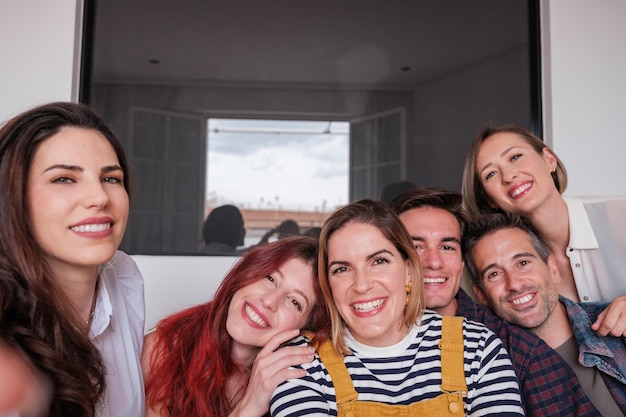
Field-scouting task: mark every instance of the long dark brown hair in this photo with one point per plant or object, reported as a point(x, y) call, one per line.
point(35, 315)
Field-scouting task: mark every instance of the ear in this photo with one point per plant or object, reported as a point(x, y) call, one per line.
point(549, 157)
point(554, 269)
point(409, 273)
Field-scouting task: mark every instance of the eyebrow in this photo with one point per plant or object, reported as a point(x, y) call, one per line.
point(507, 150)
point(515, 257)
point(378, 252)
point(445, 239)
point(76, 168)
point(367, 258)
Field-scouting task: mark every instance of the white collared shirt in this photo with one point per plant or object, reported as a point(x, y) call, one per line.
point(117, 332)
point(597, 246)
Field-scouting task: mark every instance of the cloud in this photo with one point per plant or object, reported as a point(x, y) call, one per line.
point(296, 172)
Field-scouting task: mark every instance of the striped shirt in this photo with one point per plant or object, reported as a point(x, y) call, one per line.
point(409, 372)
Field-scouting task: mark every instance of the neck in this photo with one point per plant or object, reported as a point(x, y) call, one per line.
point(244, 355)
point(449, 310)
point(79, 286)
point(552, 221)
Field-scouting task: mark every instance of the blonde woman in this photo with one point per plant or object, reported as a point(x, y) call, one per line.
point(383, 355)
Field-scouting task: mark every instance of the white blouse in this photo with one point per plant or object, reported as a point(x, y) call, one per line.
point(597, 246)
point(117, 331)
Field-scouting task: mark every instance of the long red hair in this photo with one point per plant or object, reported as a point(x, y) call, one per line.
point(191, 361)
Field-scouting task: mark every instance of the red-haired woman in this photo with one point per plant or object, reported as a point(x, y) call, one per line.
point(221, 358)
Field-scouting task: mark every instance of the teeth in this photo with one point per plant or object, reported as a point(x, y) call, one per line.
point(520, 190)
point(254, 316)
point(523, 299)
point(83, 228)
point(369, 306)
point(434, 280)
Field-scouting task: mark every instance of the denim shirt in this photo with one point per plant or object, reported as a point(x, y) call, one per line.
point(607, 353)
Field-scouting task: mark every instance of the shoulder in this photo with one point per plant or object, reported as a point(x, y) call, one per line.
point(302, 340)
point(597, 208)
point(124, 266)
point(123, 286)
point(123, 272)
point(591, 309)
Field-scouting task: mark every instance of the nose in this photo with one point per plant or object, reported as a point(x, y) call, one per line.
point(513, 282)
point(508, 175)
point(270, 300)
point(362, 281)
point(95, 194)
point(430, 258)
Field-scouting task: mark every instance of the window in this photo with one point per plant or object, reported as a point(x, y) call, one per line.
point(274, 170)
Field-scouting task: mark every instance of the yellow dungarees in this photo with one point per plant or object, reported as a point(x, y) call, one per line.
point(449, 403)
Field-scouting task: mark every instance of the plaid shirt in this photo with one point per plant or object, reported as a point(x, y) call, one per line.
point(549, 385)
point(607, 353)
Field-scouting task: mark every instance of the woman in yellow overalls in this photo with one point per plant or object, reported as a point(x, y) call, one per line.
point(386, 356)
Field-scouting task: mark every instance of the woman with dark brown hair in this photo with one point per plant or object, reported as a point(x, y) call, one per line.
point(70, 303)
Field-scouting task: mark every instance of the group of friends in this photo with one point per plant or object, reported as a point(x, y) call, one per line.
point(506, 299)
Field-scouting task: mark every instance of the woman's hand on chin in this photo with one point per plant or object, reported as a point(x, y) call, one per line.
point(271, 367)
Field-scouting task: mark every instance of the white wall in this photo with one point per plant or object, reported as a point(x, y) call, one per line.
point(174, 282)
point(39, 48)
point(584, 73)
point(486, 91)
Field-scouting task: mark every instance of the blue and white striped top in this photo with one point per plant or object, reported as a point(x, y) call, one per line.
point(409, 372)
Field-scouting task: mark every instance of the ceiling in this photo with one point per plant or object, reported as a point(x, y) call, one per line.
point(372, 42)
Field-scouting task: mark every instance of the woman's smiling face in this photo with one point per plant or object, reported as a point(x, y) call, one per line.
point(368, 279)
point(515, 177)
point(77, 203)
point(280, 301)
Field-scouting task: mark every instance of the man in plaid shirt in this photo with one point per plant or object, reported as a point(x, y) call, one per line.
point(436, 220)
point(514, 272)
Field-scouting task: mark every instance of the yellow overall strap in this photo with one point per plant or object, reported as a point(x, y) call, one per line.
point(451, 345)
point(344, 389)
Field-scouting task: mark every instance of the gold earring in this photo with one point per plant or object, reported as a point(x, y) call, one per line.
point(408, 292)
